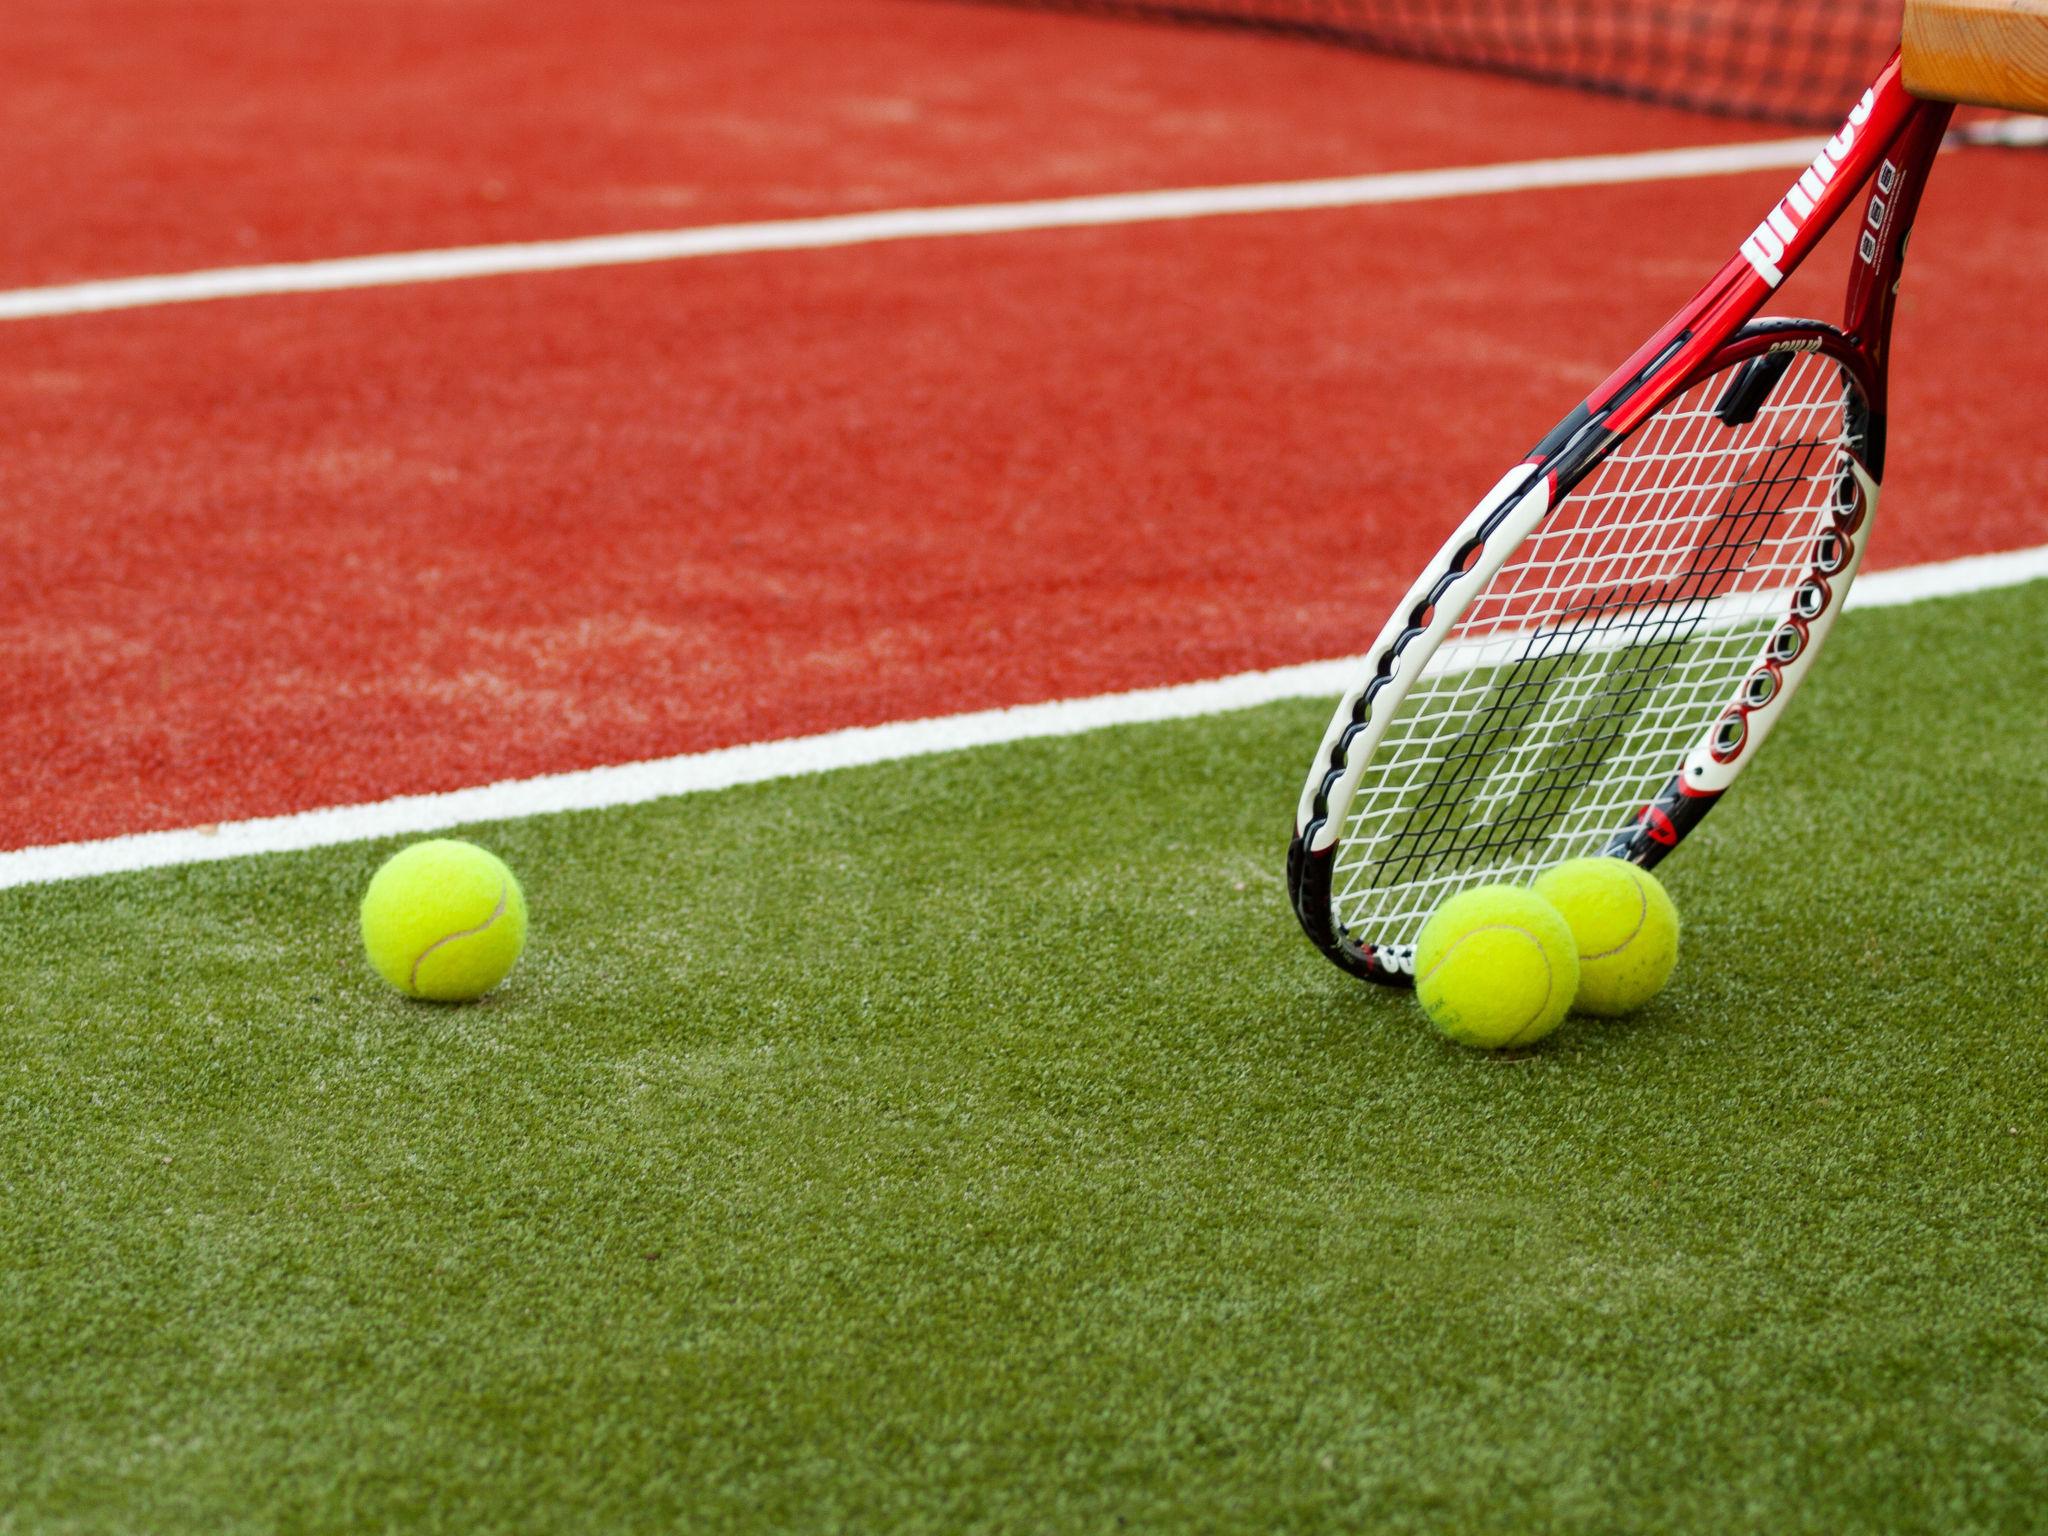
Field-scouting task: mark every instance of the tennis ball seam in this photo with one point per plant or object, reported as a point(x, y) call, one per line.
point(1549, 976)
point(1642, 916)
point(412, 977)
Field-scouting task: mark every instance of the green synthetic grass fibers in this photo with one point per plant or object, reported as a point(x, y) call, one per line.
point(975, 1144)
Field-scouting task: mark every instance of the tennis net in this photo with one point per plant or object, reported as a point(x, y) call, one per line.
point(1794, 61)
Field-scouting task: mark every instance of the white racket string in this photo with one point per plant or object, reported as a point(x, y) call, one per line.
point(1565, 696)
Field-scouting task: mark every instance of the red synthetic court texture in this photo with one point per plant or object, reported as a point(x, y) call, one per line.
point(268, 555)
point(222, 132)
point(299, 552)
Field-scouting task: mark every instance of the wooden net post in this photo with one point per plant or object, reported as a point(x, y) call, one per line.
point(1989, 53)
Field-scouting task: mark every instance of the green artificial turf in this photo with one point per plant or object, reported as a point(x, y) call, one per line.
point(975, 1144)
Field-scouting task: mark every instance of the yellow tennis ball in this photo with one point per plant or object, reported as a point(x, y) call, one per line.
point(1495, 966)
point(1624, 928)
point(444, 920)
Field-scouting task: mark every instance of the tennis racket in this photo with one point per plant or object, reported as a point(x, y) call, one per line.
point(1604, 643)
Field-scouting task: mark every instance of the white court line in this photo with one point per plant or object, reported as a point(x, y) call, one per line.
point(899, 224)
point(636, 783)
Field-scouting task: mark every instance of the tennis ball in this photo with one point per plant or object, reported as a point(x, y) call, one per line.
point(1624, 928)
point(444, 920)
point(1495, 966)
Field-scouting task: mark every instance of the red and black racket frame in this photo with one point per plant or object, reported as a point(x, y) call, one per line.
point(1881, 157)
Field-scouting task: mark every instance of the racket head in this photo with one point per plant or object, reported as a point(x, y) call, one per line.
point(1599, 650)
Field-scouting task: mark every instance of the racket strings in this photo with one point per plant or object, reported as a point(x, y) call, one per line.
point(1609, 642)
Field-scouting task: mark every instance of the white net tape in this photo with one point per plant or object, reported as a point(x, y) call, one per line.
point(1599, 654)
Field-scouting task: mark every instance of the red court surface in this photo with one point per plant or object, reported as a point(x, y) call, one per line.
point(265, 555)
point(221, 132)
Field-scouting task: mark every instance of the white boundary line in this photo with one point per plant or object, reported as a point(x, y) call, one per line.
point(636, 783)
point(899, 224)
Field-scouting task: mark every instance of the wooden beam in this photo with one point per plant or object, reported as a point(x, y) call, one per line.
point(1991, 53)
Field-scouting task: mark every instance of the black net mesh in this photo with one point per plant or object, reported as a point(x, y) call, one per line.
point(1771, 59)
